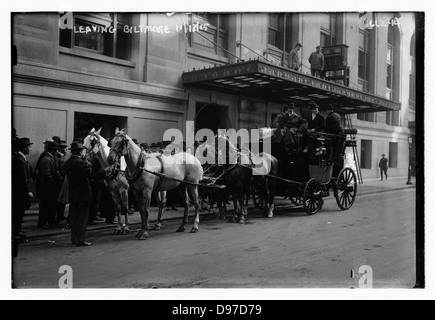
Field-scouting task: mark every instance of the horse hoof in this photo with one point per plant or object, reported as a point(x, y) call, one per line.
point(181, 229)
point(270, 215)
point(194, 230)
point(143, 237)
point(157, 228)
point(242, 221)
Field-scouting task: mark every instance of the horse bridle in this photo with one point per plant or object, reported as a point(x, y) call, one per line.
point(94, 142)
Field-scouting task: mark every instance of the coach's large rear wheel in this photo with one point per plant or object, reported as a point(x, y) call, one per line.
point(346, 189)
point(312, 197)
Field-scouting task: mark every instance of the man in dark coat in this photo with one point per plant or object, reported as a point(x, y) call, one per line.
point(21, 173)
point(316, 123)
point(288, 125)
point(383, 165)
point(60, 159)
point(333, 126)
point(333, 121)
point(78, 172)
point(48, 182)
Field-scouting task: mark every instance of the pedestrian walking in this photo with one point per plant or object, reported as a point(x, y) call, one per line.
point(383, 166)
point(78, 172)
point(317, 61)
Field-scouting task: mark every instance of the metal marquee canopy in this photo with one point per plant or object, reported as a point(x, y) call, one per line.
point(264, 80)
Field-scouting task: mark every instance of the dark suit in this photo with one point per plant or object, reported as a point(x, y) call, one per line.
point(383, 165)
point(20, 196)
point(78, 172)
point(333, 124)
point(318, 123)
point(48, 182)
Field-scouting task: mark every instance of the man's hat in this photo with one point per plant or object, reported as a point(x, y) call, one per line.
point(56, 139)
point(62, 144)
point(144, 145)
point(76, 146)
point(51, 145)
point(48, 141)
point(23, 142)
point(383, 155)
point(318, 47)
point(298, 45)
point(312, 105)
point(329, 107)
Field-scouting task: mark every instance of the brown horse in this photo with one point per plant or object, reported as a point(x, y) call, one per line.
point(157, 173)
point(118, 184)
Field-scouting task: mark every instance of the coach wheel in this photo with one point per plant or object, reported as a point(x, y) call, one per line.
point(346, 189)
point(257, 197)
point(312, 198)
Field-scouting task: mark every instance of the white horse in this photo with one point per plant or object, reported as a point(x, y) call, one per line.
point(115, 178)
point(157, 173)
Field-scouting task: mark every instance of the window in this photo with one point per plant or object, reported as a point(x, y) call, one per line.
point(363, 55)
point(366, 154)
point(393, 155)
point(276, 26)
point(328, 33)
point(214, 38)
point(366, 117)
point(99, 33)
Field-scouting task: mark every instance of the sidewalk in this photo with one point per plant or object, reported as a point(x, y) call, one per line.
point(31, 216)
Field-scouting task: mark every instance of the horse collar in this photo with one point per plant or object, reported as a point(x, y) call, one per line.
point(139, 169)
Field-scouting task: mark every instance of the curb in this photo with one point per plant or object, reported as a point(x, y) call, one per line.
point(105, 227)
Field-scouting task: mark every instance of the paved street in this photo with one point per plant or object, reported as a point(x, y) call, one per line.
point(291, 250)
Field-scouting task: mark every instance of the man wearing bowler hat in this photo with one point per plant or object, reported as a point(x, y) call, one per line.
point(47, 181)
point(21, 173)
point(78, 172)
point(316, 123)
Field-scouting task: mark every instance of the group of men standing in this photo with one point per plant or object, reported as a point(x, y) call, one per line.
point(316, 60)
point(59, 178)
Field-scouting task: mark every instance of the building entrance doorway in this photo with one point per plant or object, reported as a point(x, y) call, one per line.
point(84, 122)
point(211, 116)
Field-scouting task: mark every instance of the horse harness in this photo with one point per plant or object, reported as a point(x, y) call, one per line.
point(116, 168)
point(141, 168)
